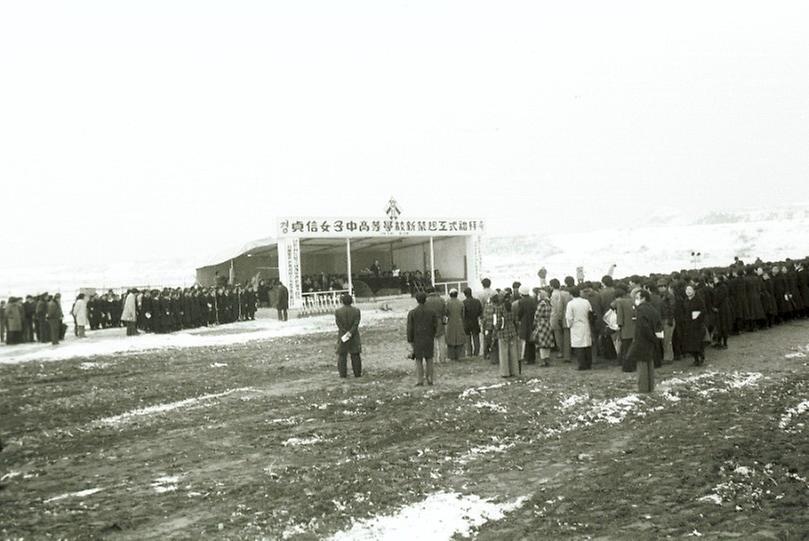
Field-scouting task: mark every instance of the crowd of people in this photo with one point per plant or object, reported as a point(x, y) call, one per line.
point(639, 322)
point(40, 318)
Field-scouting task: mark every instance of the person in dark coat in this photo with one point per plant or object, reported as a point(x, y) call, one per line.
point(694, 331)
point(29, 310)
point(645, 342)
point(779, 285)
point(723, 312)
point(422, 326)
point(347, 318)
point(55, 319)
point(438, 305)
point(753, 288)
point(2, 321)
point(282, 302)
point(41, 318)
point(472, 313)
point(526, 309)
point(740, 300)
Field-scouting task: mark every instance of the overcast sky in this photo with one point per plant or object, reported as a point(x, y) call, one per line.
point(160, 127)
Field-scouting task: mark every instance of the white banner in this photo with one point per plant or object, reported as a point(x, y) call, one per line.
point(297, 227)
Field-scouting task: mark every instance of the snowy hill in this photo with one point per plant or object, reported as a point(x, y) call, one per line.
point(642, 250)
point(665, 243)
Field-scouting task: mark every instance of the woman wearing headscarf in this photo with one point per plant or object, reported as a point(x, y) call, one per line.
point(543, 332)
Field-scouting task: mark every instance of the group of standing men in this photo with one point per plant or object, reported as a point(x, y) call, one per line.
point(34, 319)
point(638, 322)
point(40, 318)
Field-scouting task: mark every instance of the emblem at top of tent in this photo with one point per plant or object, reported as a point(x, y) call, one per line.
point(393, 211)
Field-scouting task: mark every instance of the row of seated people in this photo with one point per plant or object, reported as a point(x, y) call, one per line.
point(407, 282)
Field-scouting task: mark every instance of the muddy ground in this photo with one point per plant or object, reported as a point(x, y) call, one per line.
point(263, 441)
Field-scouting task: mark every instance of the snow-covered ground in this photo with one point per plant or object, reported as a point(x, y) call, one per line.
point(111, 341)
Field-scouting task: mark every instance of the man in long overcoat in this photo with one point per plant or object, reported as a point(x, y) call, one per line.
point(347, 318)
point(282, 302)
point(15, 314)
point(526, 309)
point(472, 312)
point(55, 316)
point(455, 335)
point(437, 304)
point(422, 326)
point(645, 342)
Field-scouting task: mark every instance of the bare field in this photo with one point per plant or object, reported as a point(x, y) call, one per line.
point(262, 440)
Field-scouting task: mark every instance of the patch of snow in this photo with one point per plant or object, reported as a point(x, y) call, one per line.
point(742, 470)
point(218, 365)
point(796, 355)
point(480, 451)
point(297, 442)
point(113, 341)
point(491, 406)
point(162, 408)
point(92, 366)
point(165, 484)
point(791, 413)
point(79, 494)
point(442, 515)
point(10, 475)
point(473, 391)
point(572, 400)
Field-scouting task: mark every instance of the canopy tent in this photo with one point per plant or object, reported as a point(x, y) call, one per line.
point(445, 251)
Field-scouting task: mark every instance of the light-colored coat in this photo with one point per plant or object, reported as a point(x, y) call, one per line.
point(80, 313)
point(577, 317)
point(14, 316)
point(129, 313)
point(454, 311)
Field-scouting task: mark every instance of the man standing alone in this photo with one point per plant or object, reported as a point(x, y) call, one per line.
point(282, 304)
point(348, 318)
point(422, 326)
point(648, 330)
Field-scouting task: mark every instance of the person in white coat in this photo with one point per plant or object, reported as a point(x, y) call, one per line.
point(80, 315)
point(577, 316)
point(130, 313)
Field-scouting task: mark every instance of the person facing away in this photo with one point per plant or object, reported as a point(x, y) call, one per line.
point(472, 313)
point(282, 302)
point(129, 314)
point(55, 316)
point(422, 326)
point(507, 340)
point(577, 316)
point(542, 333)
point(437, 304)
point(489, 321)
point(2, 321)
point(646, 340)
point(487, 292)
point(79, 314)
point(455, 335)
point(561, 332)
point(526, 309)
point(347, 318)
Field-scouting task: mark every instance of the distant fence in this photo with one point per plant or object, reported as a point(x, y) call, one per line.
point(321, 302)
